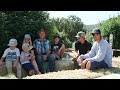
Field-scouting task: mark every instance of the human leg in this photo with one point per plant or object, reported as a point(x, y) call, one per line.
point(35, 66)
point(83, 64)
point(9, 66)
point(39, 62)
point(96, 65)
point(88, 65)
point(62, 50)
point(29, 68)
point(19, 71)
point(51, 61)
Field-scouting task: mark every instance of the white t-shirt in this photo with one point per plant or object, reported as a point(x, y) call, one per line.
point(11, 54)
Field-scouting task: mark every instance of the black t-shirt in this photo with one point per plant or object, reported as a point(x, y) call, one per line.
point(83, 48)
point(55, 47)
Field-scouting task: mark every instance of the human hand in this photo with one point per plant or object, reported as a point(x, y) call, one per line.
point(79, 59)
point(30, 41)
point(32, 57)
point(57, 57)
point(15, 65)
point(45, 57)
point(1, 63)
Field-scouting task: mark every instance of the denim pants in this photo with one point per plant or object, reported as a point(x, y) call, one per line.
point(50, 60)
point(9, 64)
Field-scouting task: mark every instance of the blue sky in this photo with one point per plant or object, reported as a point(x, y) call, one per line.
point(87, 17)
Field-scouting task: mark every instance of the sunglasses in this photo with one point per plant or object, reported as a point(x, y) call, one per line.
point(95, 34)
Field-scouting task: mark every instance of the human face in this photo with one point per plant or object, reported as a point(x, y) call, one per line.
point(81, 39)
point(57, 40)
point(12, 47)
point(27, 40)
point(42, 35)
point(96, 36)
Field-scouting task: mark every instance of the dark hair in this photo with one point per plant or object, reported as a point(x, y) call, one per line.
point(56, 36)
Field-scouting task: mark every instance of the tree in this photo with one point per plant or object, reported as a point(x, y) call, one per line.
point(111, 26)
point(15, 24)
point(68, 28)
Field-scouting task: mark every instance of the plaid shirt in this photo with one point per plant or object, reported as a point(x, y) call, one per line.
point(41, 45)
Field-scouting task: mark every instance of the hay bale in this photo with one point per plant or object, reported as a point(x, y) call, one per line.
point(3, 71)
point(8, 76)
point(64, 65)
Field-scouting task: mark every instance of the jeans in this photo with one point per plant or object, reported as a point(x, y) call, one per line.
point(51, 61)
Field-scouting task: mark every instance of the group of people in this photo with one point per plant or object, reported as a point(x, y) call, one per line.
point(88, 56)
point(33, 55)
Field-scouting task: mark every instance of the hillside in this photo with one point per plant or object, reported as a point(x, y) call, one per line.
point(90, 27)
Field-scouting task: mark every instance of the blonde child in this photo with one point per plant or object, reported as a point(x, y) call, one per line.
point(26, 58)
point(27, 39)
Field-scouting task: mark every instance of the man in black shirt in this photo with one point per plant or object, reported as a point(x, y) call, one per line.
point(81, 46)
point(57, 48)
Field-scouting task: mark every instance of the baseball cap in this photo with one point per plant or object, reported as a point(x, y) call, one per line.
point(96, 30)
point(79, 34)
point(12, 42)
point(26, 46)
point(27, 36)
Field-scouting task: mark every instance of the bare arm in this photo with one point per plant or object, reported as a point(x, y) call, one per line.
point(1, 59)
point(76, 53)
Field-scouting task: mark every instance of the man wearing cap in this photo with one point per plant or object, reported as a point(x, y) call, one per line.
point(81, 46)
point(100, 55)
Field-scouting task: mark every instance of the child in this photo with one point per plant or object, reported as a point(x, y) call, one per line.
point(27, 39)
point(12, 55)
point(26, 59)
point(57, 48)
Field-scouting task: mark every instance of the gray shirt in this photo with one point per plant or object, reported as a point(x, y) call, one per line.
point(100, 52)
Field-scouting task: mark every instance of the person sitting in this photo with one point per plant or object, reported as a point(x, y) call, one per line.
point(42, 50)
point(12, 55)
point(26, 59)
point(82, 46)
point(100, 56)
point(27, 39)
point(57, 48)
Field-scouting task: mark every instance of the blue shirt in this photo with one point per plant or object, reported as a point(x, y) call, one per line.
point(100, 52)
point(41, 45)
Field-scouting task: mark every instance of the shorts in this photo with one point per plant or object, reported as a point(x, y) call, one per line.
point(28, 67)
point(97, 65)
